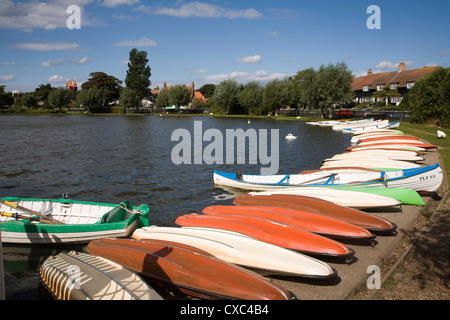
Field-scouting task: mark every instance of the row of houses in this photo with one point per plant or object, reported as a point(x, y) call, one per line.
point(401, 80)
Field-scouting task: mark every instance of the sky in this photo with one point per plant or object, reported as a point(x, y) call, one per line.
point(209, 41)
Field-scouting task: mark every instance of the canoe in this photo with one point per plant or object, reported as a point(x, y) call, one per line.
point(242, 250)
point(315, 223)
point(423, 179)
point(379, 164)
point(377, 154)
point(356, 217)
point(82, 276)
point(81, 221)
point(341, 196)
point(271, 231)
point(372, 127)
point(186, 269)
point(374, 124)
point(384, 143)
point(387, 147)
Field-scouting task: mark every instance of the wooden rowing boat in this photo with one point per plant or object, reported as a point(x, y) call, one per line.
point(319, 224)
point(82, 276)
point(242, 250)
point(183, 268)
point(371, 163)
point(81, 221)
point(271, 231)
point(423, 179)
point(356, 217)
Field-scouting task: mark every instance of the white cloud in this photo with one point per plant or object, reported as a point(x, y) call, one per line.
point(82, 60)
point(273, 34)
point(7, 78)
point(57, 79)
point(46, 46)
point(250, 59)
point(243, 76)
point(194, 72)
point(383, 65)
point(52, 63)
point(47, 15)
point(116, 3)
point(207, 10)
point(431, 64)
point(144, 42)
point(360, 74)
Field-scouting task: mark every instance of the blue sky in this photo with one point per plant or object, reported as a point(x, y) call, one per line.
point(208, 41)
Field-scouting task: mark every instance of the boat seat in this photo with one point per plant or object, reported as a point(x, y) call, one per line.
point(117, 214)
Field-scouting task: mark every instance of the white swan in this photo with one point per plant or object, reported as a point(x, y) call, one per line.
point(290, 136)
point(441, 134)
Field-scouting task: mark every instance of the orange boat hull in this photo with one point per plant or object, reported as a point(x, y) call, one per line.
point(187, 269)
point(322, 207)
point(272, 232)
point(306, 221)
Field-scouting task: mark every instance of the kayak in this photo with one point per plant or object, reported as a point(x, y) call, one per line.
point(189, 270)
point(319, 224)
point(242, 250)
point(356, 217)
point(270, 231)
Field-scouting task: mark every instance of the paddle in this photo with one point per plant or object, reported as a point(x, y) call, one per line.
point(329, 176)
point(20, 216)
point(16, 206)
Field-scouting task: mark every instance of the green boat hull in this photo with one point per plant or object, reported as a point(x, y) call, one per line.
point(110, 220)
point(406, 196)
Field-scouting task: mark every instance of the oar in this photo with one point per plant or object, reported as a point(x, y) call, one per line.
point(20, 216)
point(16, 206)
point(329, 176)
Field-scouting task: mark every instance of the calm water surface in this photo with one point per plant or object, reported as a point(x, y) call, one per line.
point(116, 158)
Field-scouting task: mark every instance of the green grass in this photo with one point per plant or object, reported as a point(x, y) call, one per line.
point(429, 134)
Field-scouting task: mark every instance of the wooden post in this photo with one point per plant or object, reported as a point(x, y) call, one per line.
point(2, 274)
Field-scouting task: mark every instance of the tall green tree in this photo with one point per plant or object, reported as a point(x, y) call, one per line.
point(108, 85)
point(138, 73)
point(163, 99)
point(41, 93)
point(179, 95)
point(225, 98)
point(58, 98)
point(6, 98)
point(129, 98)
point(428, 99)
point(332, 87)
point(29, 100)
point(207, 90)
point(91, 98)
point(251, 97)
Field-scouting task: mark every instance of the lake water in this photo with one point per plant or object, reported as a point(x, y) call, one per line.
point(116, 158)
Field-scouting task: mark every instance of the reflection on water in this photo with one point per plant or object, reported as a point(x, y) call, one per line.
point(115, 158)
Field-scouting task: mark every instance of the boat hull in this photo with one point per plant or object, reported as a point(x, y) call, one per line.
point(271, 231)
point(187, 269)
point(83, 221)
point(328, 209)
point(242, 250)
point(82, 276)
point(423, 179)
point(319, 224)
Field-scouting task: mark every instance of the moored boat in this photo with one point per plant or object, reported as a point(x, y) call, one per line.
point(242, 250)
point(356, 217)
point(271, 231)
point(186, 269)
point(423, 179)
point(67, 221)
point(82, 276)
point(319, 224)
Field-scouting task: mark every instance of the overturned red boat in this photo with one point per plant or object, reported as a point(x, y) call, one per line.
point(188, 269)
point(322, 207)
point(311, 222)
point(270, 231)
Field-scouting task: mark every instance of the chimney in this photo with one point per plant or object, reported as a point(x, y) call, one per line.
point(401, 67)
point(369, 72)
point(165, 85)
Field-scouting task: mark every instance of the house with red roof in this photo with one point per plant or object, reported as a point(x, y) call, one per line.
point(402, 80)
